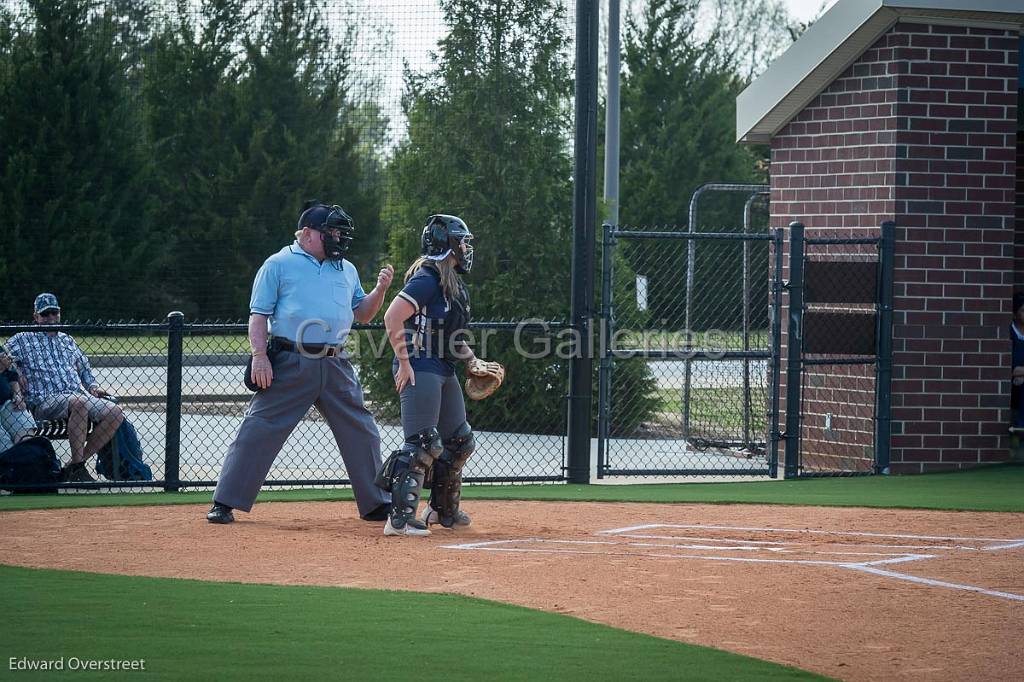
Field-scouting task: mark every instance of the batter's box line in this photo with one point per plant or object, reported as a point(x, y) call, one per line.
point(880, 545)
point(1001, 543)
point(871, 567)
point(493, 546)
point(868, 568)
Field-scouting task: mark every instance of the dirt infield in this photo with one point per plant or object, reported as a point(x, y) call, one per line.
point(859, 594)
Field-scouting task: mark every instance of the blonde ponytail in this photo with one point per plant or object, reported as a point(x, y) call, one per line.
point(451, 285)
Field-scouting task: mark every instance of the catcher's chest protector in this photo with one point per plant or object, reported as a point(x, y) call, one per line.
point(438, 320)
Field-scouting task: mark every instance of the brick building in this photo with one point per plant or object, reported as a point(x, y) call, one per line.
point(907, 110)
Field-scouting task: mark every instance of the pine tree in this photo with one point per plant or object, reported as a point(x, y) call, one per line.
point(77, 214)
point(196, 129)
point(678, 132)
point(250, 117)
point(488, 141)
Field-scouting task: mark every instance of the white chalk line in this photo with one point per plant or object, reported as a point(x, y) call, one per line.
point(616, 531)
point(489, 547)
point(699, 538)
point(881, 545)
point(1012, 545)
point(776, 550)
point(935, 583)
point(758, 545)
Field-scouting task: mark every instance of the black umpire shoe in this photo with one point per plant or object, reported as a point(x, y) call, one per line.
point(378, 513)
point(220, 513)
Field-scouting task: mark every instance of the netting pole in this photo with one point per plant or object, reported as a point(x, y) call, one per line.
point(584, 225)
point(611, 128)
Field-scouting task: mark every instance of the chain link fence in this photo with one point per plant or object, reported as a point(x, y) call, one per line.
point(177, 142)
point(844, 316)
point(689, 357)
point(185, 432)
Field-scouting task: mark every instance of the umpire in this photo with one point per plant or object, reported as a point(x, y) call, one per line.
point(310, 295)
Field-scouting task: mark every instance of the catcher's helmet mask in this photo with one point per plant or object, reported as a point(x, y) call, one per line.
point(444, 235)
point(326, 220)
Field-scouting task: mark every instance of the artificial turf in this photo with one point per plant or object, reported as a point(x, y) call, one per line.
point(185, 629)
point(992, 488)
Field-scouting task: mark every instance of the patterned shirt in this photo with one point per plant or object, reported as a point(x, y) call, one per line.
point(52, 365)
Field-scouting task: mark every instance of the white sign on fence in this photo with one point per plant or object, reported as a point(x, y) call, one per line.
point(641, 292)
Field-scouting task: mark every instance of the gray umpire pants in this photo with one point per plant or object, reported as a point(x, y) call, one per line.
point(273, 413)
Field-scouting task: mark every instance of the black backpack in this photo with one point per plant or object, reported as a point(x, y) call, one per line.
point(32, 461)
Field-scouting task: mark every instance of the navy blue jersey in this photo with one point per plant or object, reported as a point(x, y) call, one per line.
point(1018, 347)
point(433, 331)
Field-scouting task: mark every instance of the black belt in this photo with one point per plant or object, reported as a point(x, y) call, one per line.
point(325, 350)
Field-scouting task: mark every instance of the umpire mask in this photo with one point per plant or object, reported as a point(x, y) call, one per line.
point(335, 226)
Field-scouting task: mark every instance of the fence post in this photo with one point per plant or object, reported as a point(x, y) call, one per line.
point(793, 348)
point(604, 348)
point(746, 315)
point(883, 375)
point(175, 334)
point(776, 344)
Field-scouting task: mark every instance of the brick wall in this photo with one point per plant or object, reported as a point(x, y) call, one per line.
point(920, 130)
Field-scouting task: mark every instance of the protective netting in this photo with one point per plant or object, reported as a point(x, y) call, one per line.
point(177, 142)
point(158, 151)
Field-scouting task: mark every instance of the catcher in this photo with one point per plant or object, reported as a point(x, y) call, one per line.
point(426, 324)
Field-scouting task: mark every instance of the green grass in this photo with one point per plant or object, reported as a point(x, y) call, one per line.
point(225, 631)
point(188, 629)
point(716, 410)
point(659, 339)
point(998, 488)
point(992, 488)
point(157, 345)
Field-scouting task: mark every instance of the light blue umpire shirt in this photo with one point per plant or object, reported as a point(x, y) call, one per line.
point(299, 292)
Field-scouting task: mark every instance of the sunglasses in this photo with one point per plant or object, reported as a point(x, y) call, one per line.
point(52, 312)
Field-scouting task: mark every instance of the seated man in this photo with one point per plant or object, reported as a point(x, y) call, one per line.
point(60, 385)
point(16, 422)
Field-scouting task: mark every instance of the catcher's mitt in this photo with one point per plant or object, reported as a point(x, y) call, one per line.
point(483, 378)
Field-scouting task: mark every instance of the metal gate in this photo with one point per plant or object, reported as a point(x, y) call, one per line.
point(689, 339)
point(838, 352)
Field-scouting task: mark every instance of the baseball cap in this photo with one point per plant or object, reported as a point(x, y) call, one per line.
point(46, 302)
point(319, 216)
